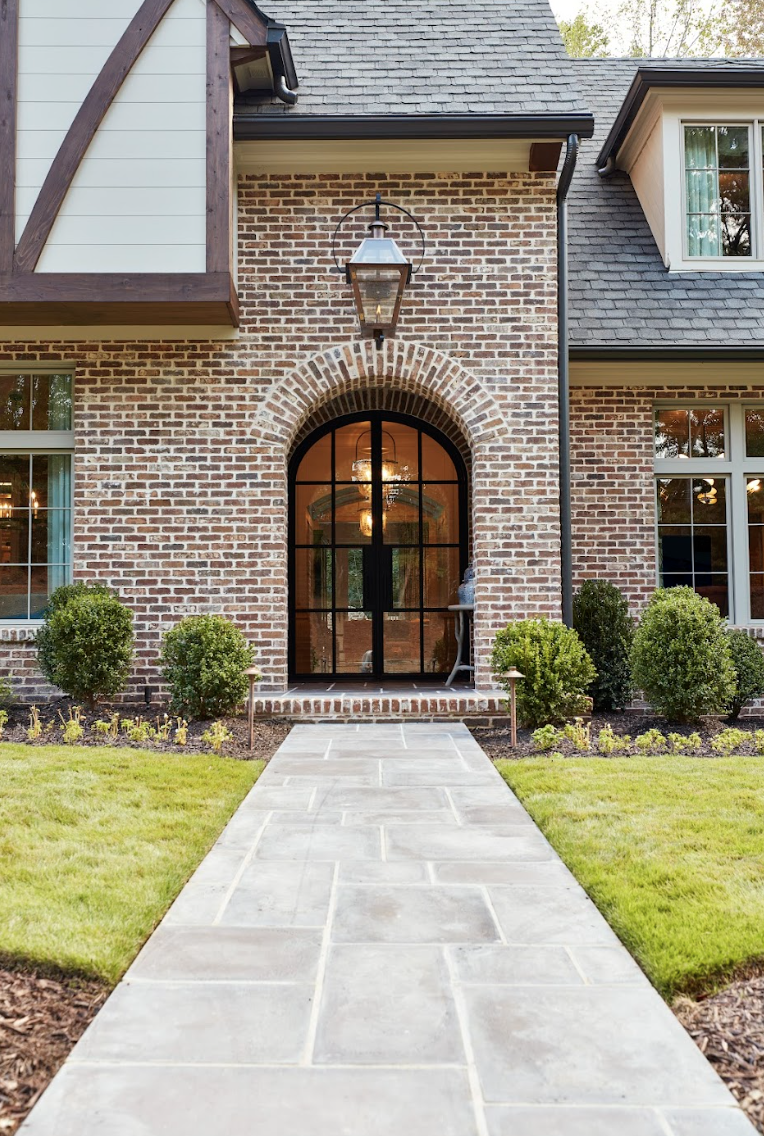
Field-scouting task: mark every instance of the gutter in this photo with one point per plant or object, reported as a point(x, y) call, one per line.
point(676, 354)
point(709, 75)
point(302, 126)
point(563, 378)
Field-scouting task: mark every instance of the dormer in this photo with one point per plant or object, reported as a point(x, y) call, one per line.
point(690, 136)
point(116, 167)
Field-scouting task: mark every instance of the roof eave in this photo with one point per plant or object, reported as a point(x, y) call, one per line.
point(658, 351)
point(301, 126)
point(648, 78)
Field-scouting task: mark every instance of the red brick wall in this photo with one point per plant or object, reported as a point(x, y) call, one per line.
point(181, 447)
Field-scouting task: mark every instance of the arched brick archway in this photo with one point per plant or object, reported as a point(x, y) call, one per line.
point(514, 533)
point(409, 367)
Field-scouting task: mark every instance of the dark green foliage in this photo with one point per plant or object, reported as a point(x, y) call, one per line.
point(681, 656)
point(203, 663)
point(601, 618)
point(85, 645)
point(748, 661)
point(556, 666)
point(59, 599)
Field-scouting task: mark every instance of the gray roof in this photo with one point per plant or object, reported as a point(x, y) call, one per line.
point(377, 57)
point(621, 295)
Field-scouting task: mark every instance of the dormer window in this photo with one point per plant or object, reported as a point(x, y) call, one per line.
point(717, 166)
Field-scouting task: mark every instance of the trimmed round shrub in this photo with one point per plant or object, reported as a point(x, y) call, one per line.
point(203, 663)
point(85, 645)
point(748, 661)
point(681, 657)
point(556, 666)
point(601, 618)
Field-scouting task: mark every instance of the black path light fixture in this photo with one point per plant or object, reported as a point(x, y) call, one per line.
point(378, 272)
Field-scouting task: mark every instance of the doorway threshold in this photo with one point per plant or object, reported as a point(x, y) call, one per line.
point(383, 701)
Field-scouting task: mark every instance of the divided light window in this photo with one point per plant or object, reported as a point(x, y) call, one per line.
point(36, 443)
point(709, 465)
point(718, 192)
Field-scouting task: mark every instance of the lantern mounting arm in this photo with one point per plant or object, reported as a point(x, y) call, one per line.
point(377, 202)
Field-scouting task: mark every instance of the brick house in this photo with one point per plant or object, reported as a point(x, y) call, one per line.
point(190, 412)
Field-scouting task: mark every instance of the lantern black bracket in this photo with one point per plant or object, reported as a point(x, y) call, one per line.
point(377, 203)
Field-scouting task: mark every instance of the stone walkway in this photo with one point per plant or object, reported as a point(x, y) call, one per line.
point(383, 944)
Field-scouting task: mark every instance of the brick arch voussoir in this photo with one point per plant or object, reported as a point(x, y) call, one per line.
point(411, 368)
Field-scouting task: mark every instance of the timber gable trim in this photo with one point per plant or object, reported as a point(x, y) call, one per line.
point(32, 298)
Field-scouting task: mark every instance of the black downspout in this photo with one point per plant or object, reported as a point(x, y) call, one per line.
point(563, 378)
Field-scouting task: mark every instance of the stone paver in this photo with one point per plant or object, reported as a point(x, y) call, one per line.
point(383, 943)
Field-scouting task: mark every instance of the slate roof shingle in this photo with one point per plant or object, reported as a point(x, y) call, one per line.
point(620, 293)
point(363, 57)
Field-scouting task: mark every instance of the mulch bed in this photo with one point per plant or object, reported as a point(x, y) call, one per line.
point(269, 734)
point(40, 1021)
point(728, 1028)
point(496, 740)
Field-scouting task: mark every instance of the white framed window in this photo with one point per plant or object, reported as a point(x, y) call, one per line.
point(36, 454)
point(709, 493)
point(719, 192)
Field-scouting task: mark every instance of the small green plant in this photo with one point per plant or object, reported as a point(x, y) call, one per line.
point(163, 728)
point(3, 721)
point(101, 727)
point(181, 732)
point(608, 742)
point(140, 732)
point(601, 618)
point(748, 661)
point(203, 663)
point(579, 733)
point(126, 724)
point(652, 741)
point(727, 741)
point(544, 738)
point(557, 754)
point(215, 736)
point(681, 656)
point(34, 731)
point(556, 667)
point(685, 743)
point(758, 741)
point(85, 645)
point(72, 730)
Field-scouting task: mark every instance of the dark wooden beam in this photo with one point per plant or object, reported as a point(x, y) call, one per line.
point(9, 36)
point(78, 299)
point(81, 132)
point(248, 22)
point(219, 140)
point(544, 157)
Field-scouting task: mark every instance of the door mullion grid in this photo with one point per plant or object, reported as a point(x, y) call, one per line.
point(378, 551)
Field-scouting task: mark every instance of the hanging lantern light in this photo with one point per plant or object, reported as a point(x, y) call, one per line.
point(378, 272)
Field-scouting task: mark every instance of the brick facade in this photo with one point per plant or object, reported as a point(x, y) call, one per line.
point(182, 447)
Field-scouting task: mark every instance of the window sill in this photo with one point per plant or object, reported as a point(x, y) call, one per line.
point(22, 631)
point(722, 264)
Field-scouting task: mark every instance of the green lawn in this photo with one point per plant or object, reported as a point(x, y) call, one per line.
point(671, 849)
point(96, 843)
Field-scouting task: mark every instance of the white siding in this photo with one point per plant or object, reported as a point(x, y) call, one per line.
point(137, 203)
point(647, 178)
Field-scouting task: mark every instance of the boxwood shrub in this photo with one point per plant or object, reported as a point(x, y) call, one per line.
point(85, 645)
point(681, 657)
point(203, 663)
point(556, 666)
point(748, 661)
point(601, 618)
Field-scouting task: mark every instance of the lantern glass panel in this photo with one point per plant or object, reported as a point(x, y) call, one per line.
point(378, 290)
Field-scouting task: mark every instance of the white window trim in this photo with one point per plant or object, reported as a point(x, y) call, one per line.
point(44, 442)
point(755, 189)
point(697, 109)
point(735, 467)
